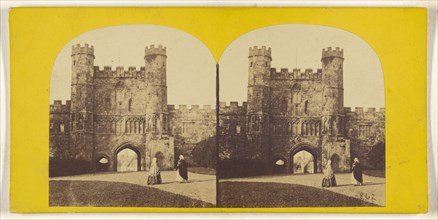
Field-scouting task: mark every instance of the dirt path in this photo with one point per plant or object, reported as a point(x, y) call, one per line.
point(200, 186)
point(372, 191)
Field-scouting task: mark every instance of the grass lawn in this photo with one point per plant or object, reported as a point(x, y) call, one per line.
point(375, 173)
point(111, 194)
point(202, 170)
point(257, 195)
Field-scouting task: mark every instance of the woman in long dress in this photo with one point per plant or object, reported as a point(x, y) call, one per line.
point(154, 176)
point(181, 170)
point(357, 173)
point(329, 179)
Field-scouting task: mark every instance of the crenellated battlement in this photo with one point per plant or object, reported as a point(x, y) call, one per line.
point(263, 51)
point(86, 49)
point(308, 74)
point(233, 108)
point(329, 52)
point(152, 50)
point(109, 72)
point(189, 108)
point(361, 110)
point(58, 107)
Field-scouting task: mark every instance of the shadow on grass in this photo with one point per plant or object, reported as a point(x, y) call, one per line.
point(190, 181)
point(112, 194)
point(202, 170)
point(375, 173)
point(258, 195)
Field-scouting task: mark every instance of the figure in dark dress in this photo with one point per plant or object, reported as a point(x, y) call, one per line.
point(181, 170)
point(357, 173)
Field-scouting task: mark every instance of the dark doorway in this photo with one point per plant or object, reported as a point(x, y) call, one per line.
point(102, 164)
point(335, 163)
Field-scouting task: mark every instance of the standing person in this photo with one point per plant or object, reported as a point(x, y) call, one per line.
point(357, 172)
point(181, 168)
point(329, 179)
point(154, 173)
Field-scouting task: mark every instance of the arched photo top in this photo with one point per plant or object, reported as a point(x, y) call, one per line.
point(190, 65)
point(300, 46)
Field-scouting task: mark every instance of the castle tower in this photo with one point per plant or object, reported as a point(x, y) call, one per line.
point(333, 92)
point(82, 102)
point(334, 146)
point(259, 100)
point(156, 99)
point(158, 143)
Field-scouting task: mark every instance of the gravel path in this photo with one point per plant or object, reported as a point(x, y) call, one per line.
point(372, 191)
point(200, 186)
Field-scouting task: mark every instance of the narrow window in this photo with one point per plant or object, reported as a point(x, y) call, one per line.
point(238, 129)
point(296, 96)
point(61, 127)
point(129, 105)
point(305, 106)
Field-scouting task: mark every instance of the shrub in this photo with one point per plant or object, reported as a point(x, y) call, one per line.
point(376, 156)
point(68, 167)
point(230, 168)
point(205, 153)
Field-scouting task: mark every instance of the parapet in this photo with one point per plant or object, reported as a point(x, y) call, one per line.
point(58, 107)
point(188, 108)
point(308, 74)
point(78, 49)
point(152, 50)
point(329, 52)
point(120, 71)
point(361, 110)
point(255, 51)
point(233, 108)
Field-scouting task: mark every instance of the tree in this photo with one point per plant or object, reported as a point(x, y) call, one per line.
point(204, 154)
point(377, 156)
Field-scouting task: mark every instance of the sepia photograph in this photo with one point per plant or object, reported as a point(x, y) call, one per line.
point(302, 120)
point(132, 120)
point(228, 110)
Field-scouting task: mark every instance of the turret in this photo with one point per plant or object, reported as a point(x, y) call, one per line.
point(258, 105)
point(259, 65)
point(156, 99)
point(333, 92)
point(82, 101)
point(258, 79)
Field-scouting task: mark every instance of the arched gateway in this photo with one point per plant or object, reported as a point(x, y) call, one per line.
point(303, 159)
point(127, 158)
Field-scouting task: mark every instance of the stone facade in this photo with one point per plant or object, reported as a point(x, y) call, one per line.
point(287, 112)
point(112, 110)
point(292, 111)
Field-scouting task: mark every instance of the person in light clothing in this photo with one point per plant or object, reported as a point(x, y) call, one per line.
point(154, 176)
point(329, 179)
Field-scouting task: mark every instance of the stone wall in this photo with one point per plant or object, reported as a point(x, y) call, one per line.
point(233, 131)
point(192, 127)
point(60, 130)
point(365, 128)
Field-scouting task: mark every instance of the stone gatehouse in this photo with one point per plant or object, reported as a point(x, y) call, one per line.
point(119, 119)
point(294, 121)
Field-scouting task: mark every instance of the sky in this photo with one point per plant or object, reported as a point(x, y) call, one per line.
point(191, 69)
point(300, 46)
